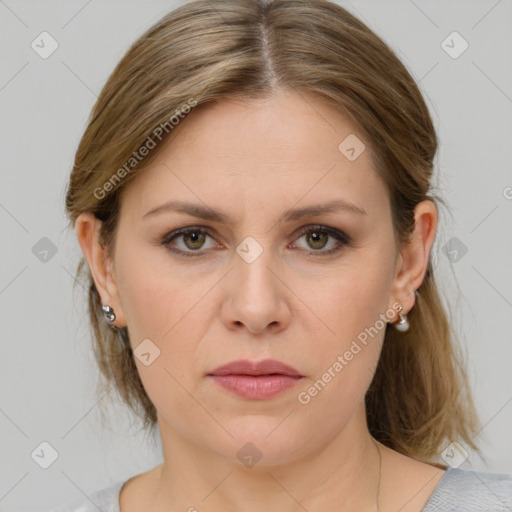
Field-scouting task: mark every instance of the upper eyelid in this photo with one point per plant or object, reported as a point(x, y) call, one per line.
point(208, 229)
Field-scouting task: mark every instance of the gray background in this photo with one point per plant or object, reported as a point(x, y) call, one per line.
point(47, 367)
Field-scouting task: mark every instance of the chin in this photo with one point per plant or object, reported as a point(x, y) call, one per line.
point(259, 441)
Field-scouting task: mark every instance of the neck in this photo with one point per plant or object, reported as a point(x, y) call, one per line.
point(344, 470)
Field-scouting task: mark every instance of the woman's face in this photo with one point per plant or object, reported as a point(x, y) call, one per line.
point(310, 290)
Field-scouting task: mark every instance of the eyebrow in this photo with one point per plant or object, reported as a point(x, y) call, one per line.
point(204, 212)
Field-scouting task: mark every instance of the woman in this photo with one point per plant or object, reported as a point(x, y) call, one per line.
point(252, 198)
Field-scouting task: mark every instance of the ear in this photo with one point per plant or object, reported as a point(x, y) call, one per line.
point(87, 228)
point(414, 255)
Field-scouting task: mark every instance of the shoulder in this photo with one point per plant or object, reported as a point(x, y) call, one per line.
point(106, 500)
point(471, 491)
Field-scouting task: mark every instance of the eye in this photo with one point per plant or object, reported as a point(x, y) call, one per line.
point(317, 237)
point(193, 238)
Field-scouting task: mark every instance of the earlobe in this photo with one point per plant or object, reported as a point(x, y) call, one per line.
point(87, 229)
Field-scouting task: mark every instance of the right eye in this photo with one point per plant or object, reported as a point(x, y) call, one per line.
point(193, 239)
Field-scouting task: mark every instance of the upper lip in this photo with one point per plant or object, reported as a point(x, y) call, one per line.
point(264, 367)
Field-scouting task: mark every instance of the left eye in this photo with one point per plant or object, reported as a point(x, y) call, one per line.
point(317, 237)
point(194, 239)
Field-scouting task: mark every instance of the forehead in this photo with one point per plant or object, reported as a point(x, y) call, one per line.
point(282, 127)
point(265, 154)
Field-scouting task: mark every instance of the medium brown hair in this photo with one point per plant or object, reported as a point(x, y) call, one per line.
point(206, 51)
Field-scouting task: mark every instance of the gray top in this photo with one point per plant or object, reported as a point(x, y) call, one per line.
point(459, 490)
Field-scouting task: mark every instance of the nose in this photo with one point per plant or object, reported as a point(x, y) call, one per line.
point(257, 299)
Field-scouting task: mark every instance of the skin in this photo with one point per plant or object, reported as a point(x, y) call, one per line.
point(254, 160)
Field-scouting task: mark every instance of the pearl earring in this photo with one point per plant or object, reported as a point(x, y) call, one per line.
point(403, 324)
point(109, 314)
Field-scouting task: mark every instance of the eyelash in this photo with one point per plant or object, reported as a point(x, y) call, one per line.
point(340, 236)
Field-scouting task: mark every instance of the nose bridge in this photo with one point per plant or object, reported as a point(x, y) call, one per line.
point(256, 299)
point(253, 263)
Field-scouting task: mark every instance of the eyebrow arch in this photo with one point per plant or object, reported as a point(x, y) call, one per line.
point(210, 214)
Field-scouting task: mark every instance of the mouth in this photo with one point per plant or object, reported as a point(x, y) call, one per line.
point(256, 368)
point(258, 380)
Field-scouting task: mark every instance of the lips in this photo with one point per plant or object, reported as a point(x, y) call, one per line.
point(256, 380)
point(255, 368)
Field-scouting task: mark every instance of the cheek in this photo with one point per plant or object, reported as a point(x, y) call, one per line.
point(353, 306)
point(162, 309)
point(353, 311)
point(354, 299)
point(152, 294)
point(159, 308)
point(162, 305)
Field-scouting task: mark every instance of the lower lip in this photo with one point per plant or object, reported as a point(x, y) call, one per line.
point(256, 387)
